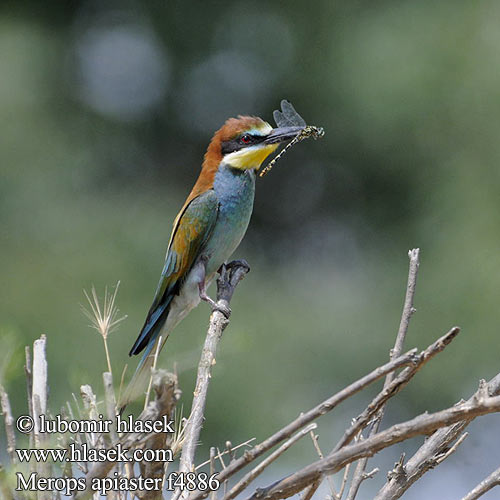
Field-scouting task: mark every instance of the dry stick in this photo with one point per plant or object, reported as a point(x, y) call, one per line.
point(308, 494)
point(163, 440)
point(230, 276)
point(112, 437)
point(39, 402)
point(90, 405)
point(9, 424)
point(433, 451)
point(394, 387)
point(344, 481)
point(213, 494)
point(485, 485)
point(39, 389)
point(110, 400)
point(311, 490)
point(387, 392)
point(334, 494)
point(245, 443)
point(408, 311)
point(133, 440)
point(307, 417)
point(256, 471)
point(421, 425)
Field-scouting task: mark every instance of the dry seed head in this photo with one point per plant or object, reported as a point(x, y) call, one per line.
point(103, 317)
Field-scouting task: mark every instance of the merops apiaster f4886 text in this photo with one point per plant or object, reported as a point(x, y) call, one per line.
point(212, 223)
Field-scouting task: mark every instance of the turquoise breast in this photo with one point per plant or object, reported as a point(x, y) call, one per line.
point(235, 190)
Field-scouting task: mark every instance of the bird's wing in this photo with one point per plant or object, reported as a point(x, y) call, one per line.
point(192, 228)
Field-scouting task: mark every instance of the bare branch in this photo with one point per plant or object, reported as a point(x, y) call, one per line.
point(39, 382)
point(432, 452)
point(230, 276)
point(241, 445)
point(9, 424)
point(308, 494)
point(39, 404)
point(306, 418)
point(408, 308)
point(406, 315)
point(423, 424)
point(167, 396)
point(162, 384)
point(256, 471)
point(485, 485)
point(109, 397)
point(395, 386)
point(314, 439)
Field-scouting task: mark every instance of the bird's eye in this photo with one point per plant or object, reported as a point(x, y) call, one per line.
point(246, 139)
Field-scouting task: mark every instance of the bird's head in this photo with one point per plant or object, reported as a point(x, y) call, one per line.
point(245, 142)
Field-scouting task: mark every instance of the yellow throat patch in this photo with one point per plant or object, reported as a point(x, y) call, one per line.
point(251, 157)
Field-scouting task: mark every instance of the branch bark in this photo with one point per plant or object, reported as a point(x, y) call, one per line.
point(306, 418)
point(39, 405)
point(230, 275)
point(164, 384)
point(9, 424)
point(423, 424)
point(395, 386)
point(432, 452)
point(484, 486)
point(255, 472)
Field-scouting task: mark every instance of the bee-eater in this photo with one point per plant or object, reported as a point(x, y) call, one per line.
point(207, 230)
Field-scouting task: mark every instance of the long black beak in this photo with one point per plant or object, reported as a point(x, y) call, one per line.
point(282, 134)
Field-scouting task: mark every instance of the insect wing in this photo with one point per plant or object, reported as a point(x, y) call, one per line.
point(288, 117)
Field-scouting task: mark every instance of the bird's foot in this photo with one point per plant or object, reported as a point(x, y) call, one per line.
point(242, 263)
point(215, 306)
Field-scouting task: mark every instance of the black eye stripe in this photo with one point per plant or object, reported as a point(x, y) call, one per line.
point(236, 144)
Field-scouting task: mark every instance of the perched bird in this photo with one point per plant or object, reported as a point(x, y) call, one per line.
point(207, 230)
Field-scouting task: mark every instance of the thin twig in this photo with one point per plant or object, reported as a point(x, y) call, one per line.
point(329, 479)
point(170, 394)
point(39, 402)
point(9, 424)
point(305, 418)
point(109, 397)
point(421, 425)
point(256, 471)
point(432, 451)
point(485, 485)
point(406, 315)
point(229, 278)
point(344, 481)
point(245, 443)
point(162, 384)
point(395, 386)
point(311, 490)
point(213, 494)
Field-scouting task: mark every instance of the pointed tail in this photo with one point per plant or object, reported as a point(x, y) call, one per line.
point(139, 384)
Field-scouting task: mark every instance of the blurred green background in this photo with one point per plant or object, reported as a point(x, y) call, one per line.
point(106, 109)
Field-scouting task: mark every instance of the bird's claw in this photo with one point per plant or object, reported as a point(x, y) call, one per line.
point(216, 306)
point(226, 311)
point(236, 263)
